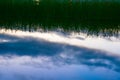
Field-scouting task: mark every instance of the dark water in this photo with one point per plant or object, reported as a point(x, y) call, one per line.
point(59, 40)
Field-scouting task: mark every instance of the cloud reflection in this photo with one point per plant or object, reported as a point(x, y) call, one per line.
point(52, 67)
point(31, 58)
point(111, 45)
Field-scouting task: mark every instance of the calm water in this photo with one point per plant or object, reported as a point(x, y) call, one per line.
point(59, 40)
point(58, 55)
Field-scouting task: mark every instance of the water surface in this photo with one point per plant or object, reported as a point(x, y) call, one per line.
point(54, 55)
point(59, 40)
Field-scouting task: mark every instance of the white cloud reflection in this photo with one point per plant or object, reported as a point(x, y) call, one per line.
point(79, 40)
point(48, 68)
point(57, 56)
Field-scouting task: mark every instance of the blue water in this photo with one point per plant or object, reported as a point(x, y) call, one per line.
point(30, 58)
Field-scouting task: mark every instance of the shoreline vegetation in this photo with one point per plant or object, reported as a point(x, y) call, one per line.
point(98, 31)
point(53, 11)
point(70, 15)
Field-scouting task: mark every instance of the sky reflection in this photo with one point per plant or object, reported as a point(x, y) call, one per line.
point(55, 56)
point(109, 44)
point(46, 68)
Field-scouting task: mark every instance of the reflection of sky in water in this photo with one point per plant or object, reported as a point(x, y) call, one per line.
point(55, 56)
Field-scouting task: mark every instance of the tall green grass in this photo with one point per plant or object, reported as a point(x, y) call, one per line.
point(52, 11)
point(93, 16)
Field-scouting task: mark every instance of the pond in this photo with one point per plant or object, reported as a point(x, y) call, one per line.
point(58, 55)
point(59, 40)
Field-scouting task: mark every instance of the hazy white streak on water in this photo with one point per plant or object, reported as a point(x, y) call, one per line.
point(79, 40)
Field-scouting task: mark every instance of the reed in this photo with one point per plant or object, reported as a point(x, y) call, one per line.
point(52, 11)
point(68, 15)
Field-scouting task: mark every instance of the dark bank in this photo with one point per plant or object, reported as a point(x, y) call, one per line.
point(69, 15)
